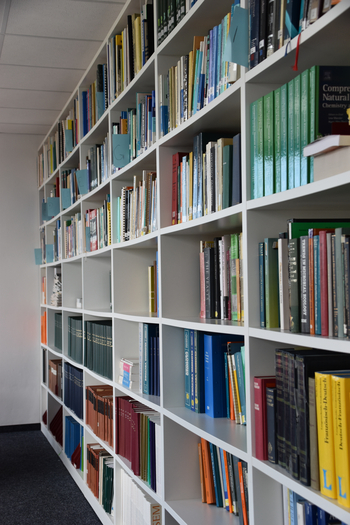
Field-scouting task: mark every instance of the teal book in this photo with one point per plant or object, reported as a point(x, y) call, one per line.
point(304, 128)
point(271, 282)
point(187, 368)
point(241, 385)
point(312, 115)
point(284, 138)
point(259, 178)
point(199, 400)
point(296, 128)
point(290, 139)
point(268, 144)
point(277, 138)
point(253, 149)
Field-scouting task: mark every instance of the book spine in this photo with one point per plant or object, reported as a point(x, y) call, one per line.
point(280, 408)
point(323, 283)
point(290, 136)
point(297, 130)
point(271, 424)
point(253, 149)
point(277, 138)
point(271, 282)
point(284, 138)
point(325, 434)
point(262, 284)
point(268, 144)
point(187, 368)
point(304, 127)
point(294, 292)
point(340, 398)
point(259, 176)
point(304, 285)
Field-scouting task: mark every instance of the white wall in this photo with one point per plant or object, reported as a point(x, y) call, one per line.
point(19, 281)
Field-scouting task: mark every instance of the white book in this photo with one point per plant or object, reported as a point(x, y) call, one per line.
point(326, 144)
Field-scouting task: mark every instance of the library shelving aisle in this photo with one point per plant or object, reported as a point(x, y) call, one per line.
point(95, 284)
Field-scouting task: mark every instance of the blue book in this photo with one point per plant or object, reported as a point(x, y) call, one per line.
point(317, 285)
point(145, 363)
point(215, 60)
point(326, 519)
point(199, 400)
point(192, 365)
point(254, 17)
point(226, 489)
point(85, 113)
point(227, 379)
point(187, 368)
point(216, 475)
point(215, 345)
point(311, 512)
point(218, 61)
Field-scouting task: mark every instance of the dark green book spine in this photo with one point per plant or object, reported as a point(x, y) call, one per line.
point(277, 138)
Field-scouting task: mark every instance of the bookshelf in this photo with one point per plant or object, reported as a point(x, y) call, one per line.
point(112, 281)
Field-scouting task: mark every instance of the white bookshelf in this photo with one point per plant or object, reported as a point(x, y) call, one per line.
point(87, 276)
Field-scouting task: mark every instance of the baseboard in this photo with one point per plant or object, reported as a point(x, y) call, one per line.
point(20, 428)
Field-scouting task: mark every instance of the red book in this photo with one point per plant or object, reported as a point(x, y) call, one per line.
point(260, 385)
point(177, 157)
point(324, 282)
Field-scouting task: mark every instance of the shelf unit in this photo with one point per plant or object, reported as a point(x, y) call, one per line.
point(87, 276)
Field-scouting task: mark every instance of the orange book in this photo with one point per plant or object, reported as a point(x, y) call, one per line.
point(208, 474)
point(201, 473)
point(241, 486)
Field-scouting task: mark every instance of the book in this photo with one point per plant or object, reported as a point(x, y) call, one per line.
point(326, 144)
point(214, 373)
point(271, 424)
point(260, 414)
point(271, 282)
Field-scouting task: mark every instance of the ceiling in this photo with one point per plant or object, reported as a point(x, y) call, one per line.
point(45, 47)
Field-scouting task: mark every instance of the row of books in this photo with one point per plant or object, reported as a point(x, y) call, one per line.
point(58, 331)
point(74, 442)
point(99, 411)
point(170, 13)
point(135, 132)
point(98, 354)
point(56, 426)
point(95, 99)
point(69, 181)
point(197, 78)
point(304, 278)
point(129, 51)
point(59, 145)
point(298, 511)
point(55, 377)
point(75, 338)
point(295, 425)
point(136, 208)
point(100, 475)
point(73, 389)
point(149, 377)
point(207, 179)
point(43, 289)
point(137, 507)
point(56, 296)
point(287, 119)
point(221, 278)
point(215, 375)
point(224, 480)
point(138, 439)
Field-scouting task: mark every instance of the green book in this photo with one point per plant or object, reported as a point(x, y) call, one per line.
point(227, 153)
point(284, 138)
point(253, 148)
point(312, 117)
point(259, 177)
point(277, 138)
point(290, 139)
point(271, 282)
point(268, 144)
point(304, 128)
point(298, 227)
point(296, 129)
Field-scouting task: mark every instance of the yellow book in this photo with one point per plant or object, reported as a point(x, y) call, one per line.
point(109, 225)
point(190, 185)
point(137, 25)
point(341, 433)
point(323, 386)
